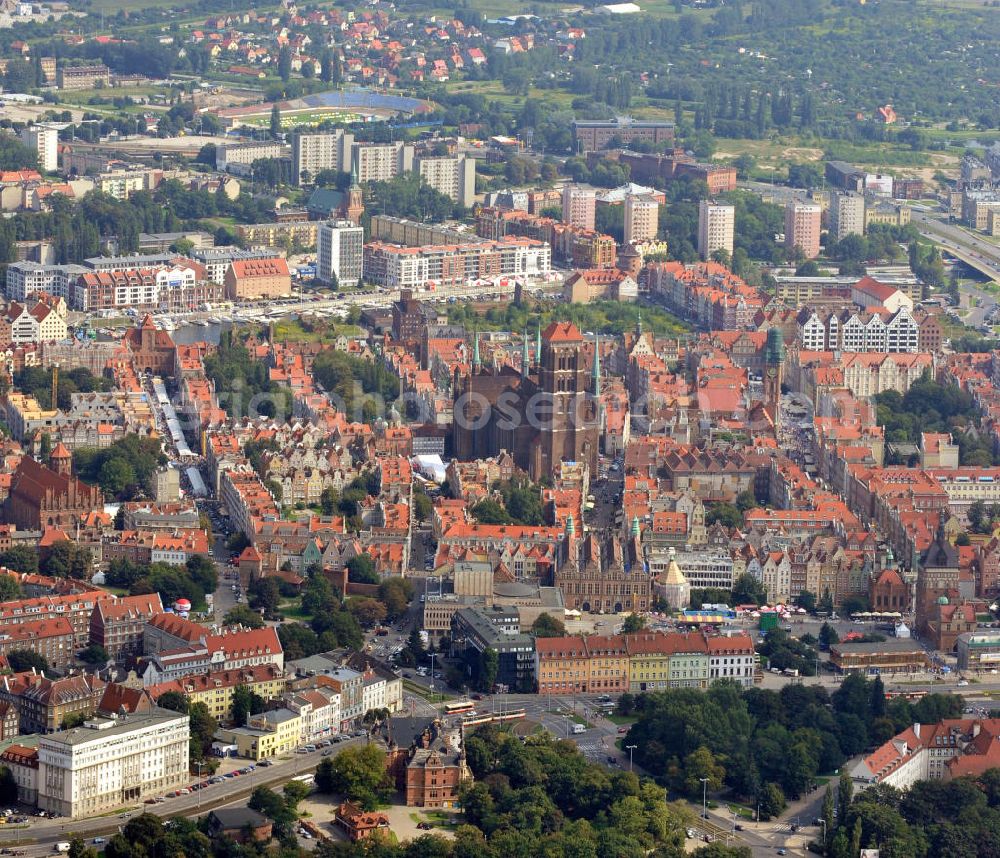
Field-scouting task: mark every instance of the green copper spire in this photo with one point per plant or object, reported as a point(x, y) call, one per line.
point(354, 174)
point(635, 525)
point(638, 323)
point(476, 362)
point(538, 344)
point(525, 357)
point(890, 560)
point(570, 526)
point(597, 365)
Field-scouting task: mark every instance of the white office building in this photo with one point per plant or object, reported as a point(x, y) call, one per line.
point(716, 226)
point(44, 139)
point(340, 251)
point(112, 762)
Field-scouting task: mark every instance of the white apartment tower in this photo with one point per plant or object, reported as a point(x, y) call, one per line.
point(802, 227)
point(579, 206)
point(340, 250)
point(847, 214)
point(454, 177)
point(716, 224)
point(381, 162)
point(44, 139)
point(641, 218)
point(313, 153)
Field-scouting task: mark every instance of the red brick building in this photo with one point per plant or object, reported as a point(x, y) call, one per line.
point(45, 497)
point(433, 776)
point(152, 350)
point(117, 626)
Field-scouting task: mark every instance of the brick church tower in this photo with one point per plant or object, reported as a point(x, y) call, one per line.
point(568, 429)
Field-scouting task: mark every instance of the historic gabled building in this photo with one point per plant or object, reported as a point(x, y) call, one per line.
point(43, 496)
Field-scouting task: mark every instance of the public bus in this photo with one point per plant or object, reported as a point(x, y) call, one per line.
point(458, 707)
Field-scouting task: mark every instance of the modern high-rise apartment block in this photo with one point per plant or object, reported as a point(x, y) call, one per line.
point(716, 224)
point(44, 139)
point(802, 227)
point(579, 206)
point(847, 214)
point(340, 250)
point(381, 162)
point(314, 152)
point(641, 218)
point(454, 177)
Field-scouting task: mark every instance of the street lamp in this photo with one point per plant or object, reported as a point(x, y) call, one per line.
point(630, 749)
point(704, 797)
point(824, 834)
point(199, 764)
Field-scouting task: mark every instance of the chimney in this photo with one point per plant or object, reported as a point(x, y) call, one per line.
point(916, 730)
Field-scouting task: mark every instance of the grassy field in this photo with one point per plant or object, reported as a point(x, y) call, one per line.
point(323, 331)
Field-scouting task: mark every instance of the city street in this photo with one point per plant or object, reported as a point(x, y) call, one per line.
point(44, 832)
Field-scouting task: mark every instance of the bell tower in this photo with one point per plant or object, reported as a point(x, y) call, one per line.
point(355, 200)
point(774, 358)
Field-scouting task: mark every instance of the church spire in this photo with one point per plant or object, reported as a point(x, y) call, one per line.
point(597, 365)
point(354, 175)
point(538, 344)
point(476, 361)
point(570, 526)
point(638, 323)
point(635, 525)
point(525, 356)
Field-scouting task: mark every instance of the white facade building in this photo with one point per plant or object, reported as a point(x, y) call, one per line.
point(110, 763)
point(25, 279)
point(716, 227)
point(641, 218)
point(44, 139)
point(454, 177)
point(324, 150)
point(381, 162)
point(847, 214)
point(579, 206)
point(340, 251)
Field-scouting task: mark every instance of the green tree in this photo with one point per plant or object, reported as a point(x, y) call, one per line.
point(10, 589)
point(26, 659)
point(116, 474)
point(747, 590)
point(174, 700)
point(20, 558)
point(633, 624)
point(396, 594)
point(94, 654)
point(275, 122)
point(245, 703)
point(361, 570)
point(845, 792)
point(772, 801)
point(66, 559)
point(241, 615)
point(702, 764)
point(422, 506)
point(358, 773)
point(546, 626)
point(285, 63)
point(827, 815)
point(8, 786)
point(294, 792)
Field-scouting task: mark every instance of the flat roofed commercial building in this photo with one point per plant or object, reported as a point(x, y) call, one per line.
point(594, 134)
point(112, 762)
